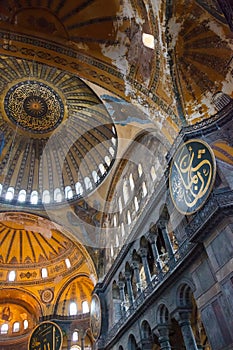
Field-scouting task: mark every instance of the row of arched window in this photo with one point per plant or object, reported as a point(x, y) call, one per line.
point(16, 327)
point(87, 185)
point(44, 271)
point(134, 194)
point(73, 308)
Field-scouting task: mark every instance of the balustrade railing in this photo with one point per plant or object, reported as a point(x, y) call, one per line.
point(146, 292)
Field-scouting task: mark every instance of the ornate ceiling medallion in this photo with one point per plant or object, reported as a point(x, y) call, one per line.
point(34, 106)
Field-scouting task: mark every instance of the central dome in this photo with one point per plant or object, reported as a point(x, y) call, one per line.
point(57, 140)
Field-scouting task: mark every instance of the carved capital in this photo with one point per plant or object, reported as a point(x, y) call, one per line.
point(143, 252)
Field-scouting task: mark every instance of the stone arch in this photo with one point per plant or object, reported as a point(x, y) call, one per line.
point(132, 344)
point(146, 330)
point(116, 303)
point(184, 296)
point(163, 315)
point(143, 242)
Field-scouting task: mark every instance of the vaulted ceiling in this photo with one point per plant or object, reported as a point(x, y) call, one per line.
point(77, 85)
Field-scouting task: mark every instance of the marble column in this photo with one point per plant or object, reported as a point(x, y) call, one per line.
point(121, 286)
point(129, 287)
point(153, 239)
point(163, 331)
point(135, 266)
point(183, 318)
point(167, 241)
point(143, 253)
point(82, 343)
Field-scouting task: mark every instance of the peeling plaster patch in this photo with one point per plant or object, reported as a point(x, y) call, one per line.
point(118, 53)
point(217, 29)
point(127, 11)
point(207, 101)
point(206, 105)
point(174, 29)
point(227, 85)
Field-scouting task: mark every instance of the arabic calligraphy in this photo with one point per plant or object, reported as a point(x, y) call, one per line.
point(46, 336)
point(192, 176)
point(95, 316)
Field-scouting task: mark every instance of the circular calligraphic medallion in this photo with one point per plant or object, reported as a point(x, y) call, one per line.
point(47, 296)
point(95, 316)
point(192, 175)
point(34, 106)
point(47, 335)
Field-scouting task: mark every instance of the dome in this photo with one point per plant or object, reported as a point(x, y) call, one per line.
point(34, 250)
point(59, 140)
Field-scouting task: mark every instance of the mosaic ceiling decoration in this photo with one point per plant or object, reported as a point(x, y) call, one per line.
point(58, 141)
point(29, 243)
point(34, 106)
point(201, 53)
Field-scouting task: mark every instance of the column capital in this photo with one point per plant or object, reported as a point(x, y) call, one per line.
point(162, 224)
point(152, 237)
point(135, 264)
point(121, 284)
point(128, 275)
point(143, 252)
point(183, 315)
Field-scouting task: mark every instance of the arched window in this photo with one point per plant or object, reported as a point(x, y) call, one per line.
point(120, 205)
point(88, 183)
point(75, 336)
point(22, 196)
point(10, 193)
point(16, 327)
point(144, 189)
point(125, 191)
point(12, 276)
point(4, 328)
point(113, 130)
point(44, 272)
point(107, 160)
point(152, 172)
point(114, 141)
point(68, 192)
point(117, 241)
point(57, 195)
point(102, 169)
point(46, 196)
point(122, 229)
point(111, 151)
point(95, 176)
point(112, 251)
point(68, 264)
point(79, 188)
point(34, 197)
point(0, 189)
point(140, 169)
point(131, 181)
point(114, 220)
point(25, 324)
point(136, 203)
point(85, 307)
point(73, 308)
point(129, 217)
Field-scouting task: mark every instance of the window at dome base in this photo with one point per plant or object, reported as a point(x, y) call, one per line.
point(73, 309)
point(4, 328)
point(85, 307)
